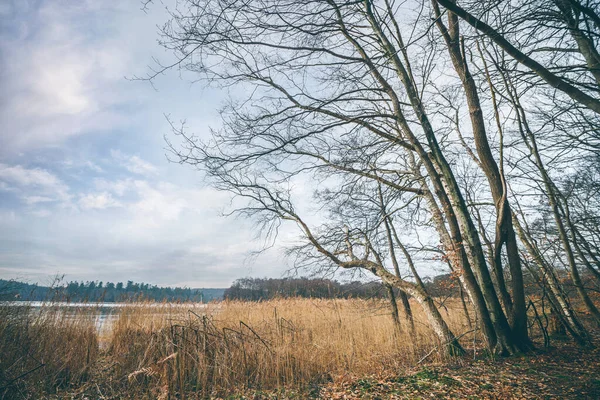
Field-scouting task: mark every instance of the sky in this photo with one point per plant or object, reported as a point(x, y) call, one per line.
point(86, 190)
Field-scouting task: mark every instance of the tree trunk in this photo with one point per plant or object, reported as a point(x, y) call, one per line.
point(556, 294)
point(394, 306)
point(504, 230)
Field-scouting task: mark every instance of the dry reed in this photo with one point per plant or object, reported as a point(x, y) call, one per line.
point(44, 350)
point(235, 346)
point(178, 351)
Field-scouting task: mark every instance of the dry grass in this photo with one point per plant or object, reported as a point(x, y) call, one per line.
point(240, 345)
point(161, 351)
point(42, 351)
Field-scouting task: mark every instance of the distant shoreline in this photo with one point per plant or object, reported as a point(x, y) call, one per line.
point(67, 304)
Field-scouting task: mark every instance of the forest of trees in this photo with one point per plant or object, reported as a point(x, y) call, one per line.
point(254, 289)
point(245, 289)
point(462, 136)
point(257, 289)
point(110, 292)
point(440, 287)
point(98, 291)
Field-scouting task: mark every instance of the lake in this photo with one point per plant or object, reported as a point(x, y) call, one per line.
point(104, 314)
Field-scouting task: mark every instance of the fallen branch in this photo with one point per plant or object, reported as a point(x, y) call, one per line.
point(21, 376)
point(444, 344)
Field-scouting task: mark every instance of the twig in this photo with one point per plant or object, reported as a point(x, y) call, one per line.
point(22, 376)
point(443, 344)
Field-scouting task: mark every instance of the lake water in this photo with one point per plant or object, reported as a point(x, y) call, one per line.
point(104, 314)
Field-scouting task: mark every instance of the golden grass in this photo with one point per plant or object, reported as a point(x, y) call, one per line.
point(41, 351)
point(166, 351)
point(266, 345)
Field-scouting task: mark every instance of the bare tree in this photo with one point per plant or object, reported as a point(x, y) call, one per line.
point(365, 100)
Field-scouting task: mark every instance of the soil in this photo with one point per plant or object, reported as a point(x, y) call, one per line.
point(561, 372)
point(565, 372)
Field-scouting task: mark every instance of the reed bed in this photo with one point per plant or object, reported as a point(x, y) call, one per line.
point(177, 351)
point(235, 346)
point(42, 351)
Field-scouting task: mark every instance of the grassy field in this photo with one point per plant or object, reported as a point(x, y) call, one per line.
point(292, 348)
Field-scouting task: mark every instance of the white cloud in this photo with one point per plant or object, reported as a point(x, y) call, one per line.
point(98, 201)
point(94, 167)
point(36, 199)
point(8, 217)
point(23, 181)
point(28, 177)
point(134, 163)
point(42, 213)
point(154, 202)
point(81, 165)
point(117, 187)
point(158, 203)
point(139, 166)
point(131, 229)
point(63, 65)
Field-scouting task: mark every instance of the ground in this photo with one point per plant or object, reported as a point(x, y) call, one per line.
point(563, 372)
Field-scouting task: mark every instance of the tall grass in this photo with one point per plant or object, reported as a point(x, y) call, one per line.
point(174, 351)
point(44, 350)
point(289, 342)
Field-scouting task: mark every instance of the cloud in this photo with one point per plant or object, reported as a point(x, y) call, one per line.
point(42, 213)
point(123, 229)
point(81, 165)
point(134, 163)
point(81, 208)
point(155, 201)
point(8, 217)
point(36, 199)
point(163, 202)
point(62, 72)
point(118, 187)
point(28, 177)
point(23, 181)
point(160, 233)
point(98, 201)
point(139, 166)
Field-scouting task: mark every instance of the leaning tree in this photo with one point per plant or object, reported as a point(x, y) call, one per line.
point(403, 126)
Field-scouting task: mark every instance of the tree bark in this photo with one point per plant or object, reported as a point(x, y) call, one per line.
point(506, 343)
point(505, 233)
point(550, 78)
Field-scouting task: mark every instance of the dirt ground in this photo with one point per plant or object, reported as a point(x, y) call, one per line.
point(564, 372)
point(561, 372)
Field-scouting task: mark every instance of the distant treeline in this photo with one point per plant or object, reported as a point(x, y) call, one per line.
point(95, 291)
point(445, 285)
point(249, 289)
point(254, 289)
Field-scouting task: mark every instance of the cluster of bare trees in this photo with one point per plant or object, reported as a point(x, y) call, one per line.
point(257, 289)
point(398, 135)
